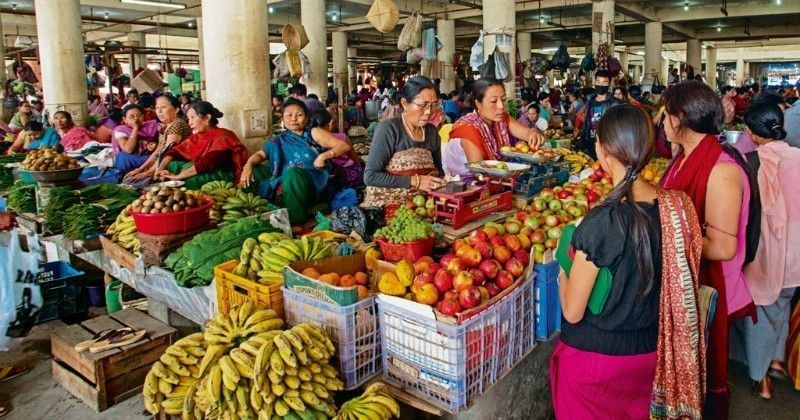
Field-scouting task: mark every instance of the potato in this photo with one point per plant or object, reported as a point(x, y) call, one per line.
point(190, 201)
point(176, 207)
point(155, 211)
point(165, 210)
point(148, 203)
point(158, 205)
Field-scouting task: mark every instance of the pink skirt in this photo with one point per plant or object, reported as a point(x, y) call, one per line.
point(587, 385)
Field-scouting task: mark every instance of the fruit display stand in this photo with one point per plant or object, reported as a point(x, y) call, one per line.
point(477, 201)
point(233, 290)
point(548, 304)
point(106, 378)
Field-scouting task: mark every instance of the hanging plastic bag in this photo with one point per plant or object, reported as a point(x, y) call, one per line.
point(19, 292)
point(294, 63)
point(560, 58)
point(587, 64)
point(476, 54)
point(429, 49)
point(487, 69)
point(502, 66)
point(411, 35)
point(539, 65)
point(294, 36)
point(614, 66)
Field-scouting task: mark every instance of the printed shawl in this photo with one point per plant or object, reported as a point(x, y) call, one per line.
point(679, 383)
point(488, 139)
point(204, 149)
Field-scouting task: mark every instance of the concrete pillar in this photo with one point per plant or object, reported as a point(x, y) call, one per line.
point(139, 60)
point(740, 69)
point(623, 62)
point(58, 26)
point(339, 41)
point(605, 33)
point(499, 16)
point(3, 71)
point(652, 51)
point(524, 45)
point(201, 57)
point(240, 23)
point(352, 76)
point(694, 54)
point(312, 15)
point(446, 31)
point(637, 75)
point(665, 71)
point(711, 67)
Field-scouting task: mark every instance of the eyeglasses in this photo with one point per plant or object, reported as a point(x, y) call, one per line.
point(429, 106)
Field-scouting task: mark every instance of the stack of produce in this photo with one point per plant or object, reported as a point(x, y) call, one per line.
point(165, 200)
point(123, 231)
point(21, 198)
point(578, 161)
point(193, 263)
point(83, 220)
point(246, 366)
point(266, 258)
point(60, 199)
point(405, 226)
point(6, 176)
point(374, 403)
point(231, 203)
point(655, 170)
point(602, 58)
point(48, 159)
point(359, 279)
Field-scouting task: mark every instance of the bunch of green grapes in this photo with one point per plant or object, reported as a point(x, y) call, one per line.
point(406, 226)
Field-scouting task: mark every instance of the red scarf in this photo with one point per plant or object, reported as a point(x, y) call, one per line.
point(488, 139)
point(214, 140)
point(692, 178)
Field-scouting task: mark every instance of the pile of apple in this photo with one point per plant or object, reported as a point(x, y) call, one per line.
point(422, 206)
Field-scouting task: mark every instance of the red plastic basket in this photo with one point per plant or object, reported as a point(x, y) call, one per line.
point(407, 250)
point(173, 222)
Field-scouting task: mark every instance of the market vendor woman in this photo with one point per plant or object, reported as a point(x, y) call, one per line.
point(211, 153)
point(481, 134)
point(298, 162)
point(405, 156)
point(134, 140)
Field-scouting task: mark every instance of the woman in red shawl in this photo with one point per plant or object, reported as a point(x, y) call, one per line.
point(211, 153)
point(717, 180)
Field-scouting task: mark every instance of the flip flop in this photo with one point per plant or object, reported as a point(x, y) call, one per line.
point(118, 341)
point(11, 372)
point(3, 411)
point(780, 374)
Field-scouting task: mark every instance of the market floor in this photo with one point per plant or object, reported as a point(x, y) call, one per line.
point(35, 395)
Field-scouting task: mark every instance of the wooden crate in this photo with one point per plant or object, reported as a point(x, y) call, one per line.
point(106, 378)
point(122, 256)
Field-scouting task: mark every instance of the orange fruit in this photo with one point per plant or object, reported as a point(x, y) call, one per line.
point(347, 281)
point(330, 279)
point(362, 292)
point(361, 278)
point(311, 272)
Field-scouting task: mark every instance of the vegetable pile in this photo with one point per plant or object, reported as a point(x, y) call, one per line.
point(165, 200)
point(47, 159)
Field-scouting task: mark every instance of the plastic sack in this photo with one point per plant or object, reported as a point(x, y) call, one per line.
point(19, 292)
point(294, 63)
point(560, 58)
point(587, 64)
point(614, 66)
point(355, 219)
point(429, 44)
point(502, 66)
point(476, 54)
point(411, 35)
point(487, 69)
point(294, 36)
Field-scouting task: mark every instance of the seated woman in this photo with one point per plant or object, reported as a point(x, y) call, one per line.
point(481, 134)
point(172, 131)
point(211, 153)
point(545, 109)
point(350, 166)
point(73, 137)
point(104, 129)
point(20, 118)
point(405, 156)
point(532, 118)
point(133, 141)
point(33, 137)
point(297, 161)
point(354, 115)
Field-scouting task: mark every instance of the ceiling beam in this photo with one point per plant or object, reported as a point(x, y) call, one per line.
point(677, 14)
point(524, 7)
point(650, 14)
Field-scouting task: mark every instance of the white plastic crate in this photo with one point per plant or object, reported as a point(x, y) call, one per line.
point(353, 329)
point(449, 365)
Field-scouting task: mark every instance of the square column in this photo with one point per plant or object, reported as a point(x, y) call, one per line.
point(312, 15)
point(446, 31)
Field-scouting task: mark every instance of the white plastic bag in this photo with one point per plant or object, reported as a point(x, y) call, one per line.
point(17, 273)
point(476, 54)
point(411, 34)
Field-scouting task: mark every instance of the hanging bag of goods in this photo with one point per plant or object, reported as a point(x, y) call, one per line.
point(294, 62)
point(411, 35)
point(561, 58)
point(602, 57)
point(476, 54)
point(502, 66)
point(294, 36)
point(430, 45)
point(383, 15)
point(487, 69)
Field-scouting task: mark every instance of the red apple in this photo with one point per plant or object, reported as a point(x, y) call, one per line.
point(422, 264)
point(592, 196)
point(513, 227)
point(443, 280)
point(427, 294)
point(504, 280)
point(563, 194)
point(538, 236)
point(512, 242)
point(422, 278)
point(455, 265)
point(463, 280)
point(525, 241)
point(539, 204)
point(551, 243)
point(521, 216)
point(490, 268)
point(477, 276)
point(502, 254)
point(515, 267)
point(551, 221)
point(449, 307)
point(484, 293)
point(547, 194)
point(469, 297)
point(446, 259)
point(485, 250)
point(497, 241)
point(472, 257)
point(490, 231)
point(478, 236)
point(523, 257)
point(461, 249)
point(433, 268)
point(450, 295)
point(492, 289)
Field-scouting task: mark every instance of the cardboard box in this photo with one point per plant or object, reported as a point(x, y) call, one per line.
point(345, 296)
point(147, 81)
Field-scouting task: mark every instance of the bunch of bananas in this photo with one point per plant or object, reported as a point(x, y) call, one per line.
point(123, 231)
point(220, 191)
point(243, 204)
point(292, 375)
point(174, 375)
point(374, 404)
point(578, 160)
point(267, 258)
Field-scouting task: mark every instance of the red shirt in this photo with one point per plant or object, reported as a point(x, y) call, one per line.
point(741, 104)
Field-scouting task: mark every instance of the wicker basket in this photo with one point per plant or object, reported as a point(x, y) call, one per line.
point(383, 15)
point(294, 36)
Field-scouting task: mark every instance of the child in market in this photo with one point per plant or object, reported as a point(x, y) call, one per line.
point(631, 263)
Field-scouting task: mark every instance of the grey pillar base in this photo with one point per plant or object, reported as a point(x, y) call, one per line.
point(160, 311)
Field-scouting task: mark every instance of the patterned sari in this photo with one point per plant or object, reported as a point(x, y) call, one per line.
point(414, 161)
point(489, 140)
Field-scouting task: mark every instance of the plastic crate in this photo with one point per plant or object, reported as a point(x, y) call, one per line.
point(353, 329)
point(60, 292)
point(548, 309)
point(547, 271)
point(450, 365)
point(532, 185)
point(234, 290)
point(411, 251)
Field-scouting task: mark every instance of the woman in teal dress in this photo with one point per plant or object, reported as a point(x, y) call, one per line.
point(298, 162)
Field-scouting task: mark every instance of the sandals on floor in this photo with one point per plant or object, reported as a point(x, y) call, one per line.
point(756, 389)
point(3, 411)
point(11, 372)
point(779, 373)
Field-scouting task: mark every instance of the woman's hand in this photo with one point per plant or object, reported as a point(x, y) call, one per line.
point(133, 173)
point(319, 162)
point(142, 175)
point(247, 176)
point(535, 138)
point(165, 174)
point(427, 183)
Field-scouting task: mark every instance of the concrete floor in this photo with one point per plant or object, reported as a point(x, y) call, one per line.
point(35, 395)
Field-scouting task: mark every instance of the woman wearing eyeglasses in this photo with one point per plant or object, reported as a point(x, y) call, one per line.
point(405, 157)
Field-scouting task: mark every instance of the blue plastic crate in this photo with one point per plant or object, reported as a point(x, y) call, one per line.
point(450, 365)
point(89, 176)
point(548, 309)
point(549, 271)
point(353, 329)
point(60, 290)
point(532, 185)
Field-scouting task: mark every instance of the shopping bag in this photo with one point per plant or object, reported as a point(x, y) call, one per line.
point(20, 296)
point(560, 58)
point(587, 64)
point(487, 69)
point(476, 54)
point(383, 15)
point(411, 35)
point(502, 66)
point(429, 49)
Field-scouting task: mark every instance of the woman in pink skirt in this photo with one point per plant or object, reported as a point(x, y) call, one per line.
point(629, 293)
